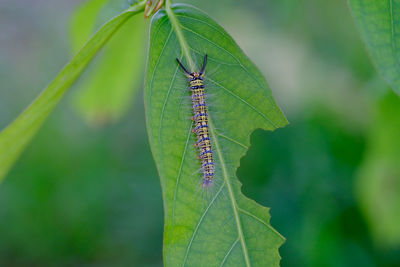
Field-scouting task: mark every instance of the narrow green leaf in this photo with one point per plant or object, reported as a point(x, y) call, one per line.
point(378, 183)
point(379, 24)
point(17, 135)
point(219, 226)
point(108, 89)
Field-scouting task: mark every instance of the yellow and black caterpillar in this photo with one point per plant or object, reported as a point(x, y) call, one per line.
point(196, 81)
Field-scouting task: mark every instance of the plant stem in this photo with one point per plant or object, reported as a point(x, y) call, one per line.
point(138, 6)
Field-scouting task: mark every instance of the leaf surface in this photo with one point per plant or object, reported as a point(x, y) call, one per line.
point(110, 85)
point(218, 226)
point(18, 134)
point(379, 24)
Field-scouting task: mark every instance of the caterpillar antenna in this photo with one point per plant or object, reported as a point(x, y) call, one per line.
point(181, 65)
point(204, 64)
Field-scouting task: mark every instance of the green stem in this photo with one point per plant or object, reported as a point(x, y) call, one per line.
point(178, 31)
point(137, 7)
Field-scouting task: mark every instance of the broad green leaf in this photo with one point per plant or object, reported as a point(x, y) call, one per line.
point(378, 183)
point(218, 226)
point(17, 135)
point(107, 90)
point(379, 24)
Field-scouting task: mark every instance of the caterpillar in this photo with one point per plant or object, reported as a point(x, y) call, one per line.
point(196, 82)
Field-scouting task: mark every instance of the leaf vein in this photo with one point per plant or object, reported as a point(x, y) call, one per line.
point(165, 102)
point(158, 61)
point(393, 38)
point(260, 220)
point(215, 44)
point(213, 59)
point(208, 24)
point(229, 252)
point(179, 175)
point(231, 194)
point(245, 102)
point(232, 140)
point(199, 223)
point(223, 49)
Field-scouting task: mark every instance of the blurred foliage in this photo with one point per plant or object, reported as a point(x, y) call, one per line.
point(310, 166)
point(84, 21)
point(80, 204)
point(81, 196)
point(110, 85)
point(378, 183)
point(18, 134)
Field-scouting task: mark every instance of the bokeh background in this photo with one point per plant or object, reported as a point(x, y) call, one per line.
point(87, 194)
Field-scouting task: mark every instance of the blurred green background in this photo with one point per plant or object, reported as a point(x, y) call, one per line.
point(85, 195)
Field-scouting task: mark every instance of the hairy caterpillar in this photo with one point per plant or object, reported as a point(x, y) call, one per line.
point(196, 81)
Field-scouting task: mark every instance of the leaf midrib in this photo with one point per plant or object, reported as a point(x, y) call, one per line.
point(178, 31)
point(230, 190)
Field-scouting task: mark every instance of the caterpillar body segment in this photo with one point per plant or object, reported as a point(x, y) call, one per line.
point(200, 118)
